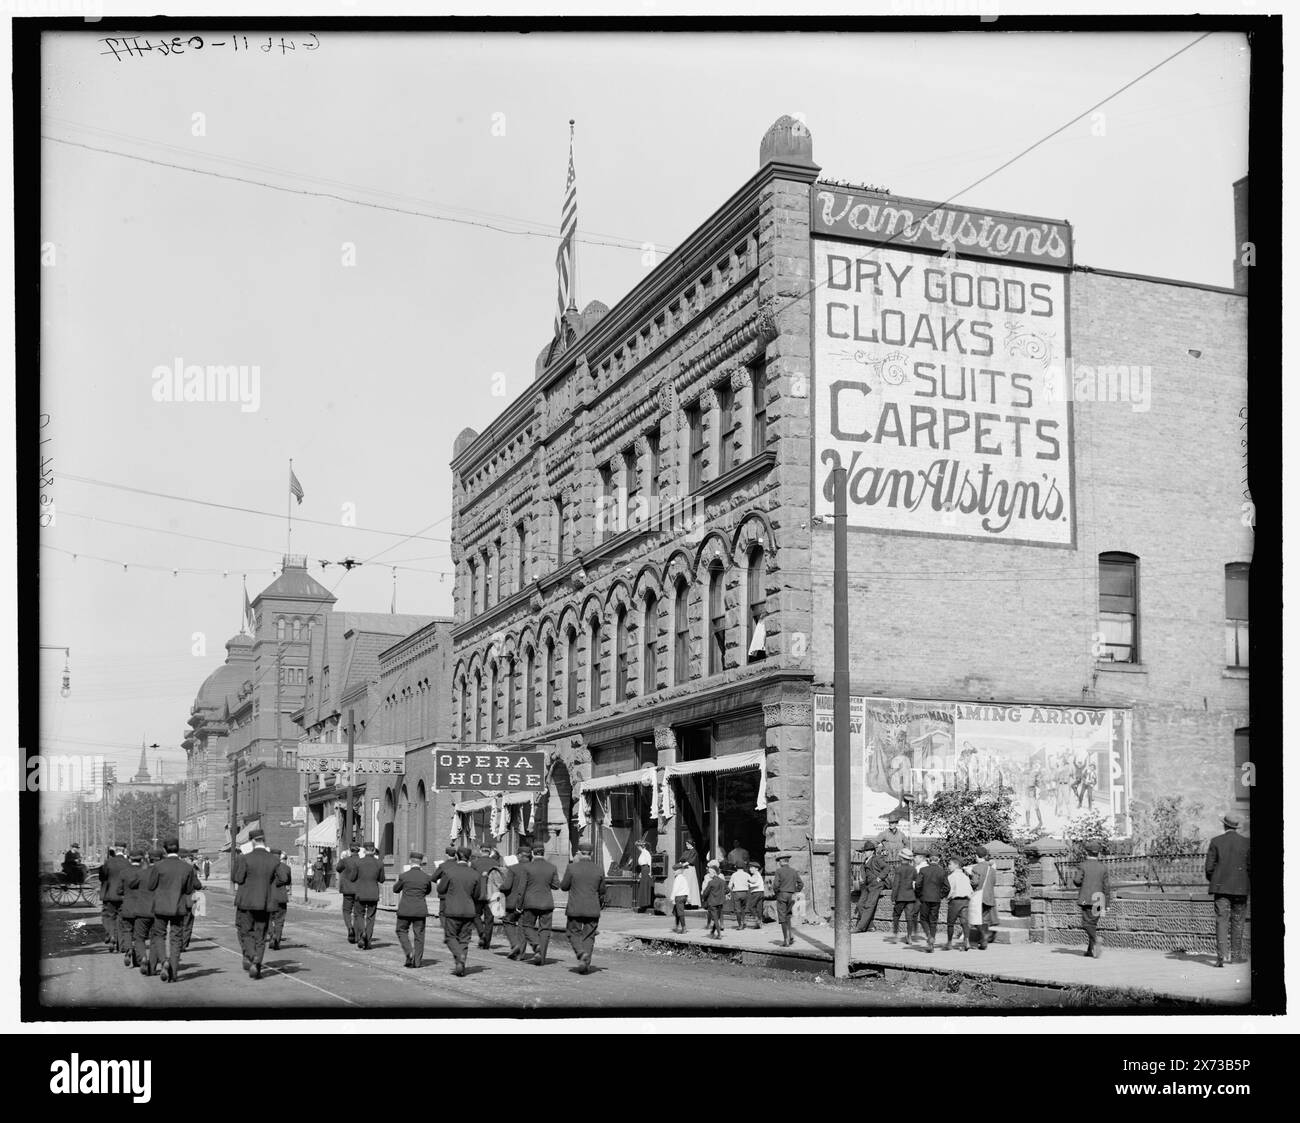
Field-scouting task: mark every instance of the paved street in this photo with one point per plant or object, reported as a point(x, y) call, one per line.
point(316, 969)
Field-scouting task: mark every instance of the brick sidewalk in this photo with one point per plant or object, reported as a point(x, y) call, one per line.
point(1164, 974)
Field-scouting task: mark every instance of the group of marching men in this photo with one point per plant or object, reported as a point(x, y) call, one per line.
point(148, 901)
point(474, 891)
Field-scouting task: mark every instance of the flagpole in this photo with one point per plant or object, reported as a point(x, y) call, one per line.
point(288, 506)
point(573, 288)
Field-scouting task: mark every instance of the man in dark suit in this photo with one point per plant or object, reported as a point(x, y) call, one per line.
point(279, 900)
point(171, 882)
point(136, 901)
point(540, 877)
point(1227, 868)
point(482, 865)
point(585, 884)
point(458, 889)
point(412, 891)
point(344, 869)
point(256, 874)
point(874, 871)
point(513, 880)
point(785, 884)
point(366, 875)
point(1093, 880)
point(984, 880)
point(110, 899)
point(189, 856)
point(738, 857)
point(931, 888)
point(902, 888)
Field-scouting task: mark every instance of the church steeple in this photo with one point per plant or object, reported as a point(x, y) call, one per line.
point(142, 773)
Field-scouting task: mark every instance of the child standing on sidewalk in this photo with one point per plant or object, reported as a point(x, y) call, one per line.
point(739, 886)
point(681, 890)
point(960, 892)
point(714, 893)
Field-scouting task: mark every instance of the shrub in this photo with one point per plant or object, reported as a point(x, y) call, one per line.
point(963, 820)
point(1091, 826)
point(1163, 828)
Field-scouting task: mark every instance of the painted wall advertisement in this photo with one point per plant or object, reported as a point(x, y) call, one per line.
point(937, 385)
point(1057, 761)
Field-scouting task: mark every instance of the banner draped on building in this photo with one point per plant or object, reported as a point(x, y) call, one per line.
point(1057, 761)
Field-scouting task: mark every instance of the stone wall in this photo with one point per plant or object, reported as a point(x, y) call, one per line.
point(1148, 923)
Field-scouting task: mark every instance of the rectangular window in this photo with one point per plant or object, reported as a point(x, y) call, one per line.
point(652, 439)
point(561, 532)
point(487, 580)
point(620, 657)
point(681, 637)
point(521, 555)
point(552, 687)
point(717, 623)
point(695, 425)
point(726, 428)
point(1117, 583)
point(572, 669)
point(758, 386)
point(530, 690)
point(1237, 613)
point(501, 571)
point(473, 589)
point(493, 714)
point(756, 634)
point(595, 687)
point(649, 642)
point(511, 670)
point(607, 522)
point(630, 497)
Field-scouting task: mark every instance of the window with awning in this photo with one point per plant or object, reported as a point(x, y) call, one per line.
point(733, 762)
point(502, 807)
point(587, 790)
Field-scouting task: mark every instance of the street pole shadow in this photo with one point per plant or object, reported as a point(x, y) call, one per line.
point(800, 935)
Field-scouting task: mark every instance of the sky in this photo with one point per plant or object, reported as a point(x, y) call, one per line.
point(379, 334)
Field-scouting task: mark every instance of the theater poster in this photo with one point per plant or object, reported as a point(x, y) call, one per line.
point(1056, 761)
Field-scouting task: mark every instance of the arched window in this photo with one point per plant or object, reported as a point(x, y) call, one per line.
point(279, 629)
point(1117, 577)
point(492, 705)
point(552, 686)
point(594, 686)
point(421, 819)
point(530, 688)
point(756, 595)
point(571, 668)
point(717, 622)
point(297, 629)
point(649, 641)
point(464, 710)
point(478, 705)
point(1236, 600)
point(620, 655)
point(681, 635)
point(510, 695)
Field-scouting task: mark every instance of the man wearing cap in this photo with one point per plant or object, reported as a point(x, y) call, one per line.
point(1227, 868)
point(171, 881)
point(902, 888)
point(931, 888)
point(1093, 881)
point(74, 873)
point(279, 901)
point(458, 890)
point(136, 901)
point(584, 881)
point(483, 865)
point(412, 890)
point(891, 842)
point(366, 875)
point(540, 878)
point(757, 894)
point(256, 874)
point(513, 881)
point(874, 871)
point(785, 884)
point(110, 898)
point(189, 858)
point(714, 895)
point(344, 869)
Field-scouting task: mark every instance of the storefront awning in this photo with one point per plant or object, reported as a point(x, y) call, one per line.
point(497, 803)
point(322, 835)
point(583, 789)
point(732, 762)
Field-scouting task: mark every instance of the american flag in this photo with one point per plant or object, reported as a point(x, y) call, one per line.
point(568, 228)
point(295, 488)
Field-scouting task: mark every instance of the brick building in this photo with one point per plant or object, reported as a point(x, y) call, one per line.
point(1042, 583)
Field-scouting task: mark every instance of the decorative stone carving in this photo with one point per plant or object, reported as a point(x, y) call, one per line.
point(667, 403)
point(708, 399)
point(503, 518)
point(665, 738)
point(740, 378)
point(787, 713)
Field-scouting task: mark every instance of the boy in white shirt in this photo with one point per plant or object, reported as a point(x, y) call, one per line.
point(960, 892)
point(757, 891)
point(681, 890)
point(739, 886)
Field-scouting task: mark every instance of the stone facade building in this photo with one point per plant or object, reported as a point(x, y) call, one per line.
point(644, 557)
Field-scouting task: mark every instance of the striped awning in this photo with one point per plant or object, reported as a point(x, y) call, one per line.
point(732, 762)
point(322, 835)
point(583, 789)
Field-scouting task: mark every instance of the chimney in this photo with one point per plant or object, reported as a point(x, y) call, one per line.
point(1241, 223)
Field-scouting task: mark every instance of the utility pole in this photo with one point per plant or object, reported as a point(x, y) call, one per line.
point(347, 822)
point(234, 814)
point(279, 681)
point(842, 772)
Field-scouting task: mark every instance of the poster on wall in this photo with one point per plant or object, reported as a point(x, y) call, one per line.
point(1058, 762)
point(937, 385)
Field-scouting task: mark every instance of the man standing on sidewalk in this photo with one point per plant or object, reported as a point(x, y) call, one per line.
point(1227, 867)
point(110, 898)
point(412, 890)
point(347, 864)
point(785, 884)
point(459, 892)
point(171, 881)
point(367, 874)
point(585, 884)
point(902, 888)
point(984, 880)
point(874, 871)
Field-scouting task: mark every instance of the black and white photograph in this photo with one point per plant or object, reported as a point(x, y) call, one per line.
point(638, 516)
